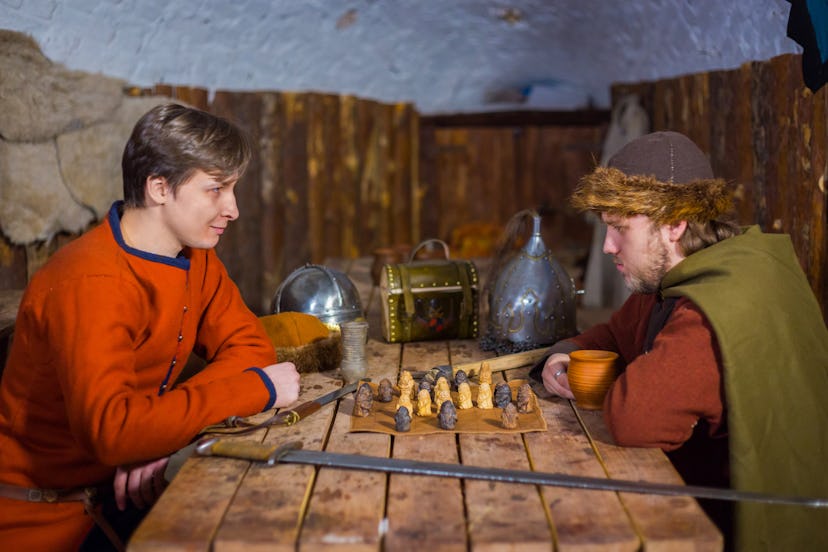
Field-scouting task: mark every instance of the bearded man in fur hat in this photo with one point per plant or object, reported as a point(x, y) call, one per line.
point(722, 346)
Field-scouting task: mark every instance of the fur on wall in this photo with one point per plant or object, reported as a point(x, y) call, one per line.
point(62, 136)
point(40, 99)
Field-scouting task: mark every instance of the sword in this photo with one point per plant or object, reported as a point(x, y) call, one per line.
point(236, 425)
point(290, 453)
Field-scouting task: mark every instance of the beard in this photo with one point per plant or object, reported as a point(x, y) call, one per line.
point(647, 278)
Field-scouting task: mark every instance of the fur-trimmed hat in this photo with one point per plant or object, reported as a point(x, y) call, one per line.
point(663, 176)
point(303, 340)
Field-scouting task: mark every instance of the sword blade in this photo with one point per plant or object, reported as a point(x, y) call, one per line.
point(291, 454)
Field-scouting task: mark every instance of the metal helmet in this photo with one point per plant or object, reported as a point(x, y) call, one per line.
point(323, 292)
point(531, 300)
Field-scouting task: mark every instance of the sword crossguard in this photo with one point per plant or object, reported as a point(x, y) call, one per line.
point(291, 417)
point(282, 450)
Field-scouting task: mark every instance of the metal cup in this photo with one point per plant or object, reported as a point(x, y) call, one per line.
point(354, 335)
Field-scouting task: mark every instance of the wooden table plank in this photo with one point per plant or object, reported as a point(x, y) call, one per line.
point(592, 524)
point(666, 523)
point(425, 513)
point(501, 516)
point(267, 510)
point(347, 507)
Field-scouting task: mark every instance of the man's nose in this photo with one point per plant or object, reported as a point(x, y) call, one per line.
point(230, 209)
point(610, 247)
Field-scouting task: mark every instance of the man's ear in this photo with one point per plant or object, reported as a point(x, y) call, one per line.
point(157, 190)
point(676, 231)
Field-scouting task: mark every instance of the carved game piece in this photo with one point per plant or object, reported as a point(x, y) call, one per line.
point(402, 419)
point(502, 394)
point(404, 400)
point(448, 415)
point(424, 403)
point(485, 375)
point(460, 377)
point(363, 401)
point(441, 396)
point(406, 384)
point(484, 396)
point(509, 416)
point(442, 385)
point(464, 399)
point(385, 391)
point(524, 399)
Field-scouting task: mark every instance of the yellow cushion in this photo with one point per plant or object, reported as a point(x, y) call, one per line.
point(293, 329)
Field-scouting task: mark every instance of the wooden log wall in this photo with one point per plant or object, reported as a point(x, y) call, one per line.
point(338, 176)
point(765, 132)
point(479, 174)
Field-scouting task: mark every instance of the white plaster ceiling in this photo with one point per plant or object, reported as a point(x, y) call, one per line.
point(446, 56)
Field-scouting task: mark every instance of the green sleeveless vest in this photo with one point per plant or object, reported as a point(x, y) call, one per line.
point(774, 346)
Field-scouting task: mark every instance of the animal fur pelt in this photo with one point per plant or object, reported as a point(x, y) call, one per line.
point(34, 202)
point(610, 190)
point(40, 99)
point(63, 185)
point(319, 356)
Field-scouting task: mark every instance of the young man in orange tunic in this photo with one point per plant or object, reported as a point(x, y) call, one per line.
point(89, 398)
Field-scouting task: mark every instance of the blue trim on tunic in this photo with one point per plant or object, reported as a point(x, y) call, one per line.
point(180, 261)
point(270, 387)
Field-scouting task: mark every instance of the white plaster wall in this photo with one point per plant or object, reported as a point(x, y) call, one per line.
point(443, 55)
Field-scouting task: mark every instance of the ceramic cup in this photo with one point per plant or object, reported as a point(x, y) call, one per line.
point(590, 375)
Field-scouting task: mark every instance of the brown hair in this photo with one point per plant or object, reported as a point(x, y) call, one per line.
point(699, 235)
point(174, 141)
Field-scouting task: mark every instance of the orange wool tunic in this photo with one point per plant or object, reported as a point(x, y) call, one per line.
point(102, 333)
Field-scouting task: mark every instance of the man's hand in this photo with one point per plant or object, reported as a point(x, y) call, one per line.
point(554, 375)
point(285, 379)
point(141, 483)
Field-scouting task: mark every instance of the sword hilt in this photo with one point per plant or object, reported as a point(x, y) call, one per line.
point(245, 450)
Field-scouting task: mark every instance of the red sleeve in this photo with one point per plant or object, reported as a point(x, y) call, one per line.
point(661, 395)
point(624, 332)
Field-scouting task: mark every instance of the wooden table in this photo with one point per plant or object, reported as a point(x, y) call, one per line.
point(225, 504)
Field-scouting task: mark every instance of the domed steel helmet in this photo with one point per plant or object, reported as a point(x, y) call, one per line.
point(323, 292)
point(531, 300)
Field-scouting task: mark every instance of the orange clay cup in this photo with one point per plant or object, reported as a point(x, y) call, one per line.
point(590, 375)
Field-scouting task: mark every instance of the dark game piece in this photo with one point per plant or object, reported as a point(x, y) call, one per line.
point(448, 415)
point(509, 416)
point(460, 377)
point(502, 394)
point(402, 419)
point(385, 391)
point(363, 401)
point(524, 399)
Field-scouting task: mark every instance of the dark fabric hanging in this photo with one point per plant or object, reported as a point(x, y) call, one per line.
point(808, 26)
